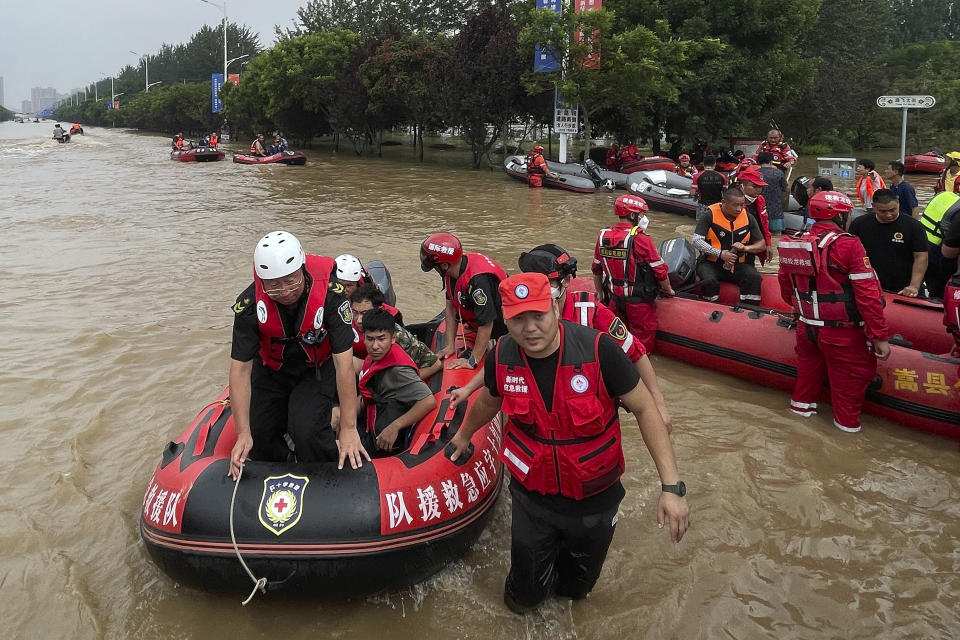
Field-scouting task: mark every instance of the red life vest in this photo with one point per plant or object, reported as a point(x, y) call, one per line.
point(359, 346)
point(477, 263)
point(823, 299)
point(581, 307)
point(396, 357)
point(627, 279)
point(781, 152)
point(575, 449)
point(273, 339)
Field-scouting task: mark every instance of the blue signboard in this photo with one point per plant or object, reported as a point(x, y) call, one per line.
point(216, 81)
point(544, 57)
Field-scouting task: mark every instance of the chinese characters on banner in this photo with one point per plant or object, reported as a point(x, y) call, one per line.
point(216, 79)
point(544, 57)
point(566, 117)
point(592, 59)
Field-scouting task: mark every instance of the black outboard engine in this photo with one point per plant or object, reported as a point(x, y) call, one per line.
point(380, 275)
point(681, 260)
point(799, 190)
point(593, 171)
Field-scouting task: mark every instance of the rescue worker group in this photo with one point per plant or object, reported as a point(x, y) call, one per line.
point(558, 359)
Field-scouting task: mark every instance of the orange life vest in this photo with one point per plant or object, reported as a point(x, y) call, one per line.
point(723, 232)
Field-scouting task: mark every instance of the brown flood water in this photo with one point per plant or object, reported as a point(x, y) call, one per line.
point(126, 264)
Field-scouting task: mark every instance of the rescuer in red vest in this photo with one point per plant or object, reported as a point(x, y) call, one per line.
point(537, 167)
point(560, 385)
point(826, 275)
point(291, 358)
point(628, 271)
point(470, 283)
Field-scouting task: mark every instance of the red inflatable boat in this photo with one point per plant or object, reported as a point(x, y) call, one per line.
point(929, 162)
point(649, 164)
point(916, 389)
point(310, 527)
point(284, 157)
point(200, 154)
point(917, 322)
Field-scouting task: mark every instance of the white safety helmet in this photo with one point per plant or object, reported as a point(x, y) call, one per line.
point(278, 254)
point(349, 268)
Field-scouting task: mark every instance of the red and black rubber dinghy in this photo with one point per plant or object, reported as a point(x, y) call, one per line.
point(199, 154)
point(311, 528)
point(929, 162)
point(653, 163)
point(284, 157)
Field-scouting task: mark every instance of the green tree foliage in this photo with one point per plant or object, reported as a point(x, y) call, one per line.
point(5, 114)
point(378, 19)
point(929, 68)
point(926, 20)
point(480, 88)
point(399, 77)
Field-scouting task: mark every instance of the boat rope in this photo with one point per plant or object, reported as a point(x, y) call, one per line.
point(258, 583)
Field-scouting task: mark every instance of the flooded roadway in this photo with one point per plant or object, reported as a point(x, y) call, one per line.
point(119, 269)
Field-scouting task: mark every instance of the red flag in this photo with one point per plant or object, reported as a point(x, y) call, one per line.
point(234, 78)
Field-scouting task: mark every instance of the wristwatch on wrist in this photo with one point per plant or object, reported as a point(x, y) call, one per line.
point(472, 362)
point(680, 488)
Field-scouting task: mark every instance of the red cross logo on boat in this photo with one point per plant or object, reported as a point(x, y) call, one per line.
point(282, 502)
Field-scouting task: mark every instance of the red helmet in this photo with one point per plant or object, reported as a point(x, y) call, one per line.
point(684, 156)
point(440, 248)
point(629, 204)
point(538, 148)
point(824, 205)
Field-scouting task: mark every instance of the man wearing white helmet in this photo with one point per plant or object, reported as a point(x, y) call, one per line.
point(291, 358)
point(350, 273)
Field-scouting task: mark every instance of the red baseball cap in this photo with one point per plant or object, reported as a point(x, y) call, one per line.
point(751, 175)
point(525, 292)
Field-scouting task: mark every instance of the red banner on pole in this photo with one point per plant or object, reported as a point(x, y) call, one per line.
point(592, 59)
point(234, 78)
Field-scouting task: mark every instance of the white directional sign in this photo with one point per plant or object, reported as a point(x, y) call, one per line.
point(906, 102)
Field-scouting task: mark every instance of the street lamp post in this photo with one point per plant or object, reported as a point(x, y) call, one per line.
point(231, 61)
point(146, 70)
point(222, 7)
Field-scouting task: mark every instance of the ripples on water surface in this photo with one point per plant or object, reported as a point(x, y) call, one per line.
point(119, 268)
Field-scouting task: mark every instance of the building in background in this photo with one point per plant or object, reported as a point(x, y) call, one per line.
point(26, 107)
point(43, 98)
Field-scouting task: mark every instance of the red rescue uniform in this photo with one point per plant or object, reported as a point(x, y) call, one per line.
point(826, 275)
point(781, 152)
point(574, 450)
point(536, 169)
point(463, 299)
point(628, 261)
point(582, 307)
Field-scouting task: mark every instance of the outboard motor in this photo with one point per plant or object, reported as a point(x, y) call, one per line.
point(593, 172)
point(681, 260)
point(380, 275)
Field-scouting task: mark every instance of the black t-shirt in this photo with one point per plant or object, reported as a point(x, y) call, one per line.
point(619, 375)
point(337, 321)
point(710, 186)
point(952, 238)
point(482, 297)
point(890, 247)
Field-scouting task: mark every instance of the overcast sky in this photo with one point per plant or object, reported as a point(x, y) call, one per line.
point(66, 44)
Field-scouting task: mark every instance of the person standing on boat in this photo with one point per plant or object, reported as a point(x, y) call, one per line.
point(291, 358)
point(214, 139)
point(783, 156)
point(906, 194)
point(628, 272)
point(827, 277)
point(751, 182)
point(895, 243)
point(256, 147)
point(684, 168)
point(613, 161)
point(724, 237)
point(776, 184)
point(560, 385)
point(537, 168)
point(868, 181)
point(470, 283)
point(951, 294)
point(708, 185)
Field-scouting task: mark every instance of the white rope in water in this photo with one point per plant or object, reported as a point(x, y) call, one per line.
point(258, 583)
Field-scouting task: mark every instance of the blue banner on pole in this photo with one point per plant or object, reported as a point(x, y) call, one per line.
point(545, 57)
point(216, 81)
